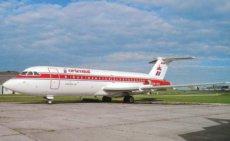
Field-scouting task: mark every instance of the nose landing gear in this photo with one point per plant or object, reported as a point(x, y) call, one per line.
point(49, 99)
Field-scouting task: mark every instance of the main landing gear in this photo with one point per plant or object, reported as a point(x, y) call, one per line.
point(49, 99)
point(128, 99)
point(106, 99)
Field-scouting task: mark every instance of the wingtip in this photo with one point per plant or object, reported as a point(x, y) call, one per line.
point(193, 57)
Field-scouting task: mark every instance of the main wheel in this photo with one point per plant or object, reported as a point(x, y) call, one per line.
point(106, 99)
point(128, 99)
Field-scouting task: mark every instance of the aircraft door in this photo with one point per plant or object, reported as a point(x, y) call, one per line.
point(113, 79)
point(54, 78)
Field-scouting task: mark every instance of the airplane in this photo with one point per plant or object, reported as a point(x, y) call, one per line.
point(49, 81)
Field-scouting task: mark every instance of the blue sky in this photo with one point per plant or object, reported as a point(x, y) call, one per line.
point(118, 35)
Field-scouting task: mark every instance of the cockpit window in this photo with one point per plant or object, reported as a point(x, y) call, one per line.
point(30, 73)
point(24, 73)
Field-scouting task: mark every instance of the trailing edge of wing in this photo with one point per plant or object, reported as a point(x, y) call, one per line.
point(119, 88)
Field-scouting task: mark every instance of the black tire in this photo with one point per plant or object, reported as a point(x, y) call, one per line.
point(131, 99)
point(128, 99)
point(106, 99)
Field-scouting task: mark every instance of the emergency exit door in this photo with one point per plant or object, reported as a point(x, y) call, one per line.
point(54, 78)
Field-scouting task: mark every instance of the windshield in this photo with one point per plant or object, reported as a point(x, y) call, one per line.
point(24, 73)
point(30, 73)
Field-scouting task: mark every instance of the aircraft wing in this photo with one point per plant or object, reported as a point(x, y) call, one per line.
point(151, 87)
point(120, 88)
point(145, 87)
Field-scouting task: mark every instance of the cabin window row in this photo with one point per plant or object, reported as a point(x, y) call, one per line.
point(105, 78)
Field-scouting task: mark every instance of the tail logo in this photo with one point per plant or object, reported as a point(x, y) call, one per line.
point(158, 73)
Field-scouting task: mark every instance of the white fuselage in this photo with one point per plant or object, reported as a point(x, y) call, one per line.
point(42, 81)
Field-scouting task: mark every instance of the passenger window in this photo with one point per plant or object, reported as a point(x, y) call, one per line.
point(36, 73)
point(24, 73)
point(30, 73)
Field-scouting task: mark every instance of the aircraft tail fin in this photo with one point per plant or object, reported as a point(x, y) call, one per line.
point(160, 67)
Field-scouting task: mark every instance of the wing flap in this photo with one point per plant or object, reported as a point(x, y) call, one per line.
point(120, 88)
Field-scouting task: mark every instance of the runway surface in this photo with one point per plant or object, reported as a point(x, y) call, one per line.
point(113, 122)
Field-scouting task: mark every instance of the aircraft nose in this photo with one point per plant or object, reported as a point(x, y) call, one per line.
point(9, 84)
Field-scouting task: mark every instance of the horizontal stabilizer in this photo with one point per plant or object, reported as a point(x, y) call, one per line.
point(170, 59)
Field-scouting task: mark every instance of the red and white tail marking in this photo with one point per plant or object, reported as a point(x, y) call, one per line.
point(161, 66)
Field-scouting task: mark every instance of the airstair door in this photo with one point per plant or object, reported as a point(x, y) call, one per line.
point(54, 78)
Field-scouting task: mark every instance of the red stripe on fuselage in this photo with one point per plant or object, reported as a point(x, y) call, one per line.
point(97, 78)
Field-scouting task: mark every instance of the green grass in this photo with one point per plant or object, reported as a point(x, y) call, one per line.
point(159, 96)
point(224, 99)
point(35, 99)
point(197, 99)
point(20, 98)
point(193, 96)
point(188, 96)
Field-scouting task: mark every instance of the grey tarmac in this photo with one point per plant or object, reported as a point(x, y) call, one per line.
point(113, 122)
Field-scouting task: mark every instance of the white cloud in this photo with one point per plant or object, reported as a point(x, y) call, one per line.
point(113, 33)
point(32, 14)
point(81, 25)
point(224, 8)
point(127, 56)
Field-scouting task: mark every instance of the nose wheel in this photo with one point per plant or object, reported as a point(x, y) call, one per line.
point(49, 99)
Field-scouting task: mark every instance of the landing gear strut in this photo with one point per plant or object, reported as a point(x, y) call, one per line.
point(106, 99)
point(49, 99)
point(128, 99)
